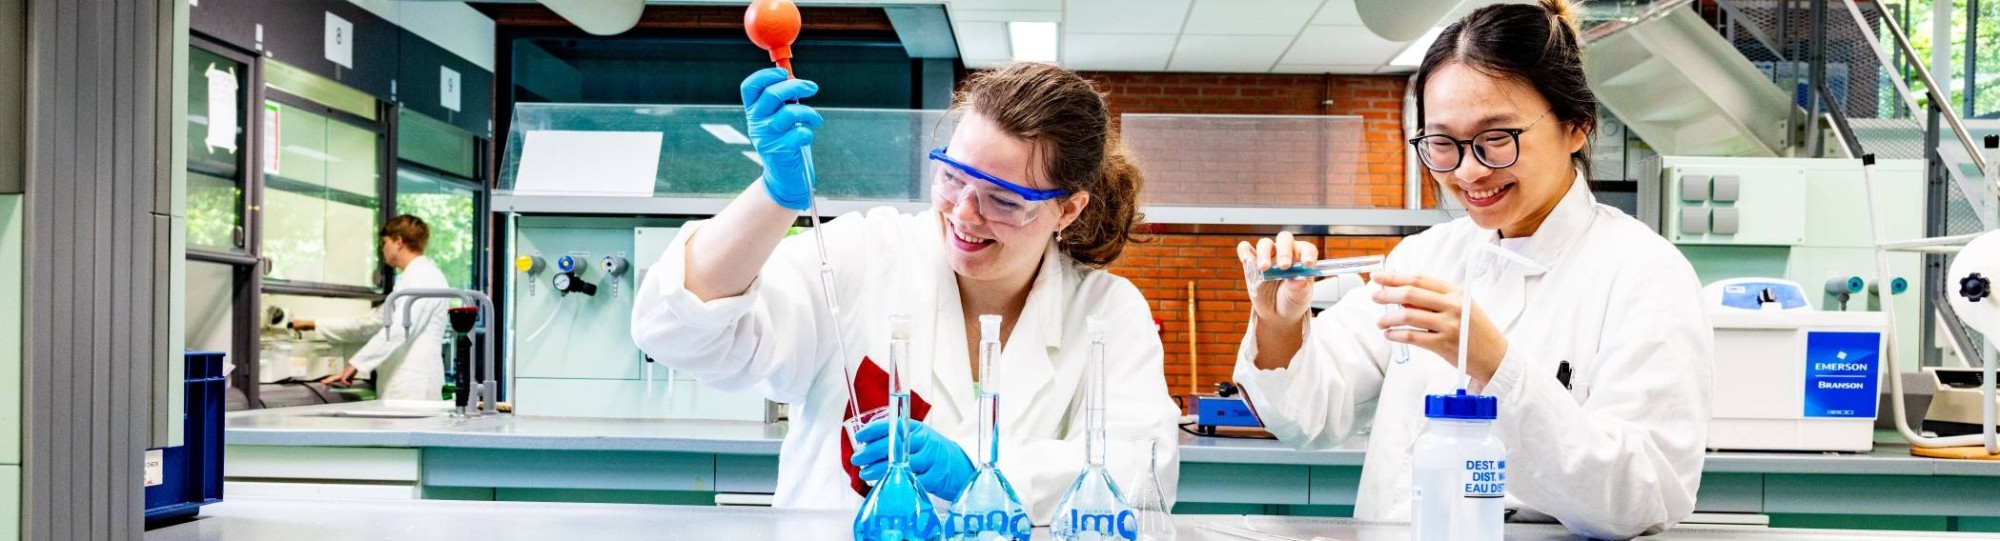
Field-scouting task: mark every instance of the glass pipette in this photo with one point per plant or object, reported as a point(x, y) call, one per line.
point(826, 282)
point(1326, 267)
point(773, 25)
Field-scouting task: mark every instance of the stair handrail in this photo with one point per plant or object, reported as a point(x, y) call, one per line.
point(1938, 99)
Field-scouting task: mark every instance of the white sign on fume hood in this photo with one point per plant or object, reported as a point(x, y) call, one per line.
point(562, 162)
point(221, 109)
point(156, 467)
point(448, 88)
point(339, 41)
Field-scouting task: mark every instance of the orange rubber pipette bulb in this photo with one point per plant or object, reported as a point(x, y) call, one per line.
point(773, 25)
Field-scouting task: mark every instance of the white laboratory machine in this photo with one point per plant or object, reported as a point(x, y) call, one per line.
point(1789, 377)
point(571, 309)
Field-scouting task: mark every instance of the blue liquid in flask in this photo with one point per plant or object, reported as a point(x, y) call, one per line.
point(988, 509)
point(898, 509)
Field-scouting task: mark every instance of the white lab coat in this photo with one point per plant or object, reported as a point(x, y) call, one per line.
point(409, 365)
point(777, 338)
point(1616, 456)
point(357, 330)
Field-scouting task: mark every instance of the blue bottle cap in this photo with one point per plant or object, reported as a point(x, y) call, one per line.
point(1461, 406)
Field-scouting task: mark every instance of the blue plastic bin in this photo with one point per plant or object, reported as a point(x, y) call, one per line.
point(192, 472)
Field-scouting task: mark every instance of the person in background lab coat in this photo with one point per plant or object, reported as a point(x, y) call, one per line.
point(1031, 198)
point(1615, 450)
point(408, 365)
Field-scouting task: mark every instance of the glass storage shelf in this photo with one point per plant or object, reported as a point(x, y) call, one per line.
point(690, 160)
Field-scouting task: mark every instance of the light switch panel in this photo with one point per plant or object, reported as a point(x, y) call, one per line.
point(1725, 188)
point(1694, 187)
point(1694, 220)
point(1725, 221)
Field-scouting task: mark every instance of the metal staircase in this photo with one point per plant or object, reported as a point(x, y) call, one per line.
point(1680, 86)
point(1729, 78)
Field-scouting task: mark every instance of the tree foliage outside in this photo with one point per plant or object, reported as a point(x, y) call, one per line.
point(451, 215)
point(1986, 76)
point(211, 212)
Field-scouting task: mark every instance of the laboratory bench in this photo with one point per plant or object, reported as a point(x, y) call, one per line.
point(346, 449)
point(324, 519)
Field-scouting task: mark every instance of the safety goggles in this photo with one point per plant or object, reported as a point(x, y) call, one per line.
point(1013, 204)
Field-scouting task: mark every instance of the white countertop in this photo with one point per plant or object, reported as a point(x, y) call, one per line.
point(260, 519)
point(311, 426)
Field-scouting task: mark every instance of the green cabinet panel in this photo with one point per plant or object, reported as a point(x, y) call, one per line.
point(10, 503)
point(379, 464)
point(1730, 493)
point(588, 470)
point(1243, 483)
point(10, 328)
point(1340, 485)
point(1881, 495)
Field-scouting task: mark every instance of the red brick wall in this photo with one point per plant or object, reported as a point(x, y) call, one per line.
point(1377, 99)
point(1163, 269)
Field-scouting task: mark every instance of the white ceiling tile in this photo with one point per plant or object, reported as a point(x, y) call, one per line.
point(1404, 70)
point(1004, 15)
point(1228, 54)
point(1261, 18)
point(1469, 6)
point(1117, 52)
point(1006, 4)
point(1341, 45)
point(983, 63)
point(1340, 69)
point(1339, 12)
point(981, 40)
point(1126, 16)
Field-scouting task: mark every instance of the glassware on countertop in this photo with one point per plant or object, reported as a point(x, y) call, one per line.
point(1093, 509)
point(897, 508)
point(1153, 520)
point(988, 509)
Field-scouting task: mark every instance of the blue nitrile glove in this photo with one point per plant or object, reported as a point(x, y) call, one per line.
point(781, 132)
point(941, 466)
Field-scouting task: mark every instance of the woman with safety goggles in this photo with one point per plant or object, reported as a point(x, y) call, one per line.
point(1031, 198)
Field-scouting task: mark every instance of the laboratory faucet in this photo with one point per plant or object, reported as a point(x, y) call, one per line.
point(486, 393)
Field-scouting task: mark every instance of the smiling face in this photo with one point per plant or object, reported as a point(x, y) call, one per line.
point(984, 250)
point(1462, 102)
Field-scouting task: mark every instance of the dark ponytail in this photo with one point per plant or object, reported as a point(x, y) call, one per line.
point(1065, 117)
point(1497, 40)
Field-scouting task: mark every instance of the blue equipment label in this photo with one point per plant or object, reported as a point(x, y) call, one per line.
point(1841, 374)
point(999, 523)
point(1121, 525)
point(1485, 478)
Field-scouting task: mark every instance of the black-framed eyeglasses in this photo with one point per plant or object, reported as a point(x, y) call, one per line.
point(1497, 148)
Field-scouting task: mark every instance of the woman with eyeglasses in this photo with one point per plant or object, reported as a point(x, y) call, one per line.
point(1597, 353)
point(1031, 198)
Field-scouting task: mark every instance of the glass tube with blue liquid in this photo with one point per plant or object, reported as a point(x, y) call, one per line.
point(897, 509)
point(988, 509)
